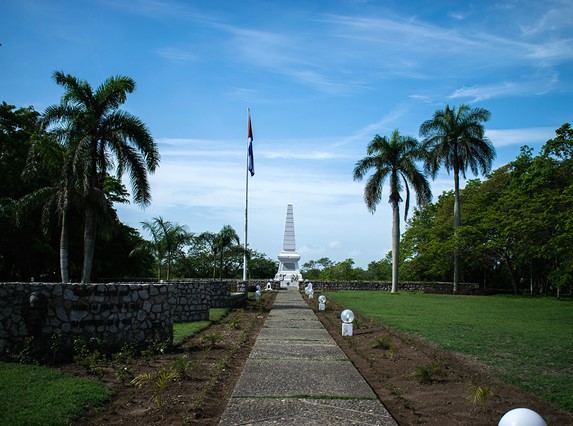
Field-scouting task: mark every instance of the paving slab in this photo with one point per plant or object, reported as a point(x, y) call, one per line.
point(296, 334)
point(311, 351)
point(269, 378)
point(297, 375)
point(301, 411)
point(292, 323)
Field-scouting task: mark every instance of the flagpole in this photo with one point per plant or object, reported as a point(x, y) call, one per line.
point(249, 136)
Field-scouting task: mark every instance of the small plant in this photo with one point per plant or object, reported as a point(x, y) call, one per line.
point(386, 344)
point(235, 323)
point(181, 365)
point(159, 381)
point(86, 356)
point(426, 374)
point(382, 342)
point(395, 390)
point(56, 345)
point(479, 396)
point(156, 348)
point(125, 355)
point(210, 340)
point(28, 353)
point(123, 373)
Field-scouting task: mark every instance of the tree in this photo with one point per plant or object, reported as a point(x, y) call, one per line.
point(393, 158)
point(455, 138)
point(226, 241)
point(47, 157)
point(18, 130)
point(260, 266)
point(168, 241)
point(96, 132)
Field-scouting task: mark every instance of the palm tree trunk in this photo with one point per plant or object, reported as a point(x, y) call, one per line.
point(395, 245)
point(64, 248)
point(457, 222)
point(89, 244)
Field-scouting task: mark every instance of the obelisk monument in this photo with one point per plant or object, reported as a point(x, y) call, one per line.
point(289, 273)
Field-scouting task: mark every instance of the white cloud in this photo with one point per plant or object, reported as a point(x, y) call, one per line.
point(525, 136)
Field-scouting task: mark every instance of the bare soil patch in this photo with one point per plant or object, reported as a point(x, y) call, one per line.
point(216, 359)
point(200, 397)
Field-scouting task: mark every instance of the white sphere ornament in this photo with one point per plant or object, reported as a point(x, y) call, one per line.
point(322, 298)
point(347, 316)
point(521, 417)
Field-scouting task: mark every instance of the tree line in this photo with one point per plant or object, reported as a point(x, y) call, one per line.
point(61, 175)
point(517, 229)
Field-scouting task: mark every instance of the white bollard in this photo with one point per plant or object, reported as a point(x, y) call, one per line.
point(347, 316)
point(521, 417)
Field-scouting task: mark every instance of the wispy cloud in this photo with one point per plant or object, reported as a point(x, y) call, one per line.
point(556, 17)
point(481, 93)
point(524, 136)
point(175, 54)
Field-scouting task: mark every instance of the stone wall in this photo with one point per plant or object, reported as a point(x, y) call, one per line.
point(427, 287)
point(192, 300)
point(113, 313)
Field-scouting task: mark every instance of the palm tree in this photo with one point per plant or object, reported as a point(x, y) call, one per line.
point(209, 239)
point(167, 242)
point(394, 159)
point(46, 157)
point(226, 239)
point(455, 139)
point(96, 133)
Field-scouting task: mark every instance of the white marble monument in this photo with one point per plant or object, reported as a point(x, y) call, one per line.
point(289, 273)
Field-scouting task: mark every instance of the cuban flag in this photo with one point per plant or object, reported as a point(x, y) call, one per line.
point(250, 157)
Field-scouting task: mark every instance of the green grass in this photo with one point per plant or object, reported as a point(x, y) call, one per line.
point(33, 395)
point(183, 330)
point(527, 341)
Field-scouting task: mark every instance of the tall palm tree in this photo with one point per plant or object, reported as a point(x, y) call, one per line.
point(455, 138)
point(100, 137)
point(393, 159)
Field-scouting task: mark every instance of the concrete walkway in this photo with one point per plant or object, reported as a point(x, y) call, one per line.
point(297, 375)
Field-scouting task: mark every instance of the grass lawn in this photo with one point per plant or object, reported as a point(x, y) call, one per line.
point(182, 330)
point(33, 395)
point(527, 341)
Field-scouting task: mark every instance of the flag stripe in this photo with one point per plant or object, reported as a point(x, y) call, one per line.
point(251, 158)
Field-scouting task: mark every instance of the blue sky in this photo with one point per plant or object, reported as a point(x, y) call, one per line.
point(321, 79)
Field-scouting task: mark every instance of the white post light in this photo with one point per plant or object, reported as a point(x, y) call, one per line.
point(257, 295)
point(521, 417)
point(347, 316)
point(311, 294)
point(321, 302)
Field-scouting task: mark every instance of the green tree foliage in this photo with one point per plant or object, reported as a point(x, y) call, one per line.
point(517, 230)
point(32, 191)
point(261, 267)
point(18, 130)
point(167, 244)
